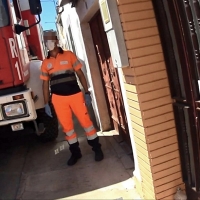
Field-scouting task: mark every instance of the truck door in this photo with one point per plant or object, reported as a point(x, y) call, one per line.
point(14, 62)
point(6, 73)
point(22, 47)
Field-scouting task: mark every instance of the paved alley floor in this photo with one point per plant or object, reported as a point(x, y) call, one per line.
point(53, 179)
point(45, 175)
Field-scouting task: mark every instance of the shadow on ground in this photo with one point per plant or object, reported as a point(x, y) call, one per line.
point(30, 169)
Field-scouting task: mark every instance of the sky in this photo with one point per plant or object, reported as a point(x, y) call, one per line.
point(48, 14)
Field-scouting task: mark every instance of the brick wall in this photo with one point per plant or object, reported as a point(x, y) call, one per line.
point(149, 100)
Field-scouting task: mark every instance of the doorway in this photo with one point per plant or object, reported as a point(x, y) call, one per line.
point(110, 78)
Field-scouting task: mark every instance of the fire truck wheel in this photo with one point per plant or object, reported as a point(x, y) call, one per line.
point(50, 125)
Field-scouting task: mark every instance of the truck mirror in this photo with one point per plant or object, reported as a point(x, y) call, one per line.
point(35, 7)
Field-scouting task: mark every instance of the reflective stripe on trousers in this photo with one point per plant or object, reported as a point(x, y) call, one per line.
point(64, 105)
point(90, 132)
point(71, 137)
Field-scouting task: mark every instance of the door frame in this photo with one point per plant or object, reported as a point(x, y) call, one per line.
point(110, 78)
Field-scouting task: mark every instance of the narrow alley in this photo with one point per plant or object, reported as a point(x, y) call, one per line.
point(30, 169)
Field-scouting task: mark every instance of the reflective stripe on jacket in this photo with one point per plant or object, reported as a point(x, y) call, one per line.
point(61, 73)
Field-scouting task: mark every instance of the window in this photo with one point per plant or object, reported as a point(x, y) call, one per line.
point(17, 10)
point(4, 14)
point(71, 39)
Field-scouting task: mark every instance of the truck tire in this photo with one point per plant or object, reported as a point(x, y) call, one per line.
point(50, 124)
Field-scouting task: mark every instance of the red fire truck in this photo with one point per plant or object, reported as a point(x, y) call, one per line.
point(22, 49)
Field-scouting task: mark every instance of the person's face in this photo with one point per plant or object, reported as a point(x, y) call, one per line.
point(50, 41)
point(51, 44)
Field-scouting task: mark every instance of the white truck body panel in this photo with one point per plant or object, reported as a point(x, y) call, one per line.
point(35, 83)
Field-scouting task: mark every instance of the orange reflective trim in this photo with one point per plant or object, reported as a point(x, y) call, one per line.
point(91, 132)
point(71, 137)
point(63, 62)
point(44, 78)
point(73, 141)
point(44, 74)
point(76, 64)
point(69, 133)
point(92, 137)
point(64, 105)
point(78, 67)
point(89, 128)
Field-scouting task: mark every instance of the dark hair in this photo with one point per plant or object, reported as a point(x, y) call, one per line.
point(60, 50)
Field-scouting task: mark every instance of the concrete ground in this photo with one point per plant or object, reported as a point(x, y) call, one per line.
point(53, 179)
point(45, 174)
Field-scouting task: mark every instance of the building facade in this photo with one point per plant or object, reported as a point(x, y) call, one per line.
point(143, 73)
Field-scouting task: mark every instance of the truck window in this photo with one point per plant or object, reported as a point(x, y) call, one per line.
point(4, 14)
point(17, 10)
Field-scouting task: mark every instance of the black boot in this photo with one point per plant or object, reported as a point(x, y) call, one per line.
point(76, 153)
point(96, 147)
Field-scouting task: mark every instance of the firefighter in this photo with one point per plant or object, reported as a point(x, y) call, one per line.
point(58, 73)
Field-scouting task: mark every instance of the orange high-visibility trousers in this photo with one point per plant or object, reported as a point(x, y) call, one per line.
point(64, 106)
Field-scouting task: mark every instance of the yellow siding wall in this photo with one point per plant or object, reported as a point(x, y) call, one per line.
point(150, 102)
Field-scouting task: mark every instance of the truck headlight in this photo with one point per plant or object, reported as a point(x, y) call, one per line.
point(14, 109)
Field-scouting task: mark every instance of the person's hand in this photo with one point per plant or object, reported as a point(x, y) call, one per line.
point(88, 99)
point(48, 110)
